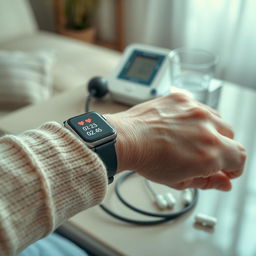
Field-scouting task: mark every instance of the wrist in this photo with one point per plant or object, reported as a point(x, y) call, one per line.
point(124, 142)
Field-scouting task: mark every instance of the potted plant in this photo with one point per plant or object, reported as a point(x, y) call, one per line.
point(79, 18)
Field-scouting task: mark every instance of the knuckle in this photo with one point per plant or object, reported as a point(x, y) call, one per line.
point(206, 136)
point(231, 132)
point(210, 139)
point(180, 97)
point(242, 149)
point(155, 111)
point(226, 128)
point(198, 112)
point(215, 112)
point(243, 156)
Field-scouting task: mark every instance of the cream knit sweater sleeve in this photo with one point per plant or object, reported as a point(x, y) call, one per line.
point(47, 175)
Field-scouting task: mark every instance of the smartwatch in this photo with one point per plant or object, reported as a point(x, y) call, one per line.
point(93, 129)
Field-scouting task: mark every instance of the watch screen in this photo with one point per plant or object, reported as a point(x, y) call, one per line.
point(91, 127)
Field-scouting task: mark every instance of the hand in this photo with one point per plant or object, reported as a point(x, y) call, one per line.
point(176, 141)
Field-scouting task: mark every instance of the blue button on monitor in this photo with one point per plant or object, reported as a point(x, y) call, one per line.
point(153, 92)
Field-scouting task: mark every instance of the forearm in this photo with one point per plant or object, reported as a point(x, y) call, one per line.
point(47, 176)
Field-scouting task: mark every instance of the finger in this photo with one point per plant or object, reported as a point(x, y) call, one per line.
point(232, 158)
point(211, 110)
point(218, 181)
point(222, 127)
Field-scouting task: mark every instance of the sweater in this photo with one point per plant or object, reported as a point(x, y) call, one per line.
point(47, 175)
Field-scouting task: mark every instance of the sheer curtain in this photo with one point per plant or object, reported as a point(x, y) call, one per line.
point(224, 27)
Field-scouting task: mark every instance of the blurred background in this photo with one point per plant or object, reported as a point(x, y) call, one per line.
point(224, 27)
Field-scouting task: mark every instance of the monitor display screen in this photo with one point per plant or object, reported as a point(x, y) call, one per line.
point(141, 68)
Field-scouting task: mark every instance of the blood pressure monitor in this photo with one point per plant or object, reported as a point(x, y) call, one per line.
point(141, 75)
point(144, 73)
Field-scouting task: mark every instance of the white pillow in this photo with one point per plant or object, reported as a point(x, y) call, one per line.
point(25, 77)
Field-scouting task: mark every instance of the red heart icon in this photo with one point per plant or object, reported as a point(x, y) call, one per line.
point(88, 120)
point(80, 123)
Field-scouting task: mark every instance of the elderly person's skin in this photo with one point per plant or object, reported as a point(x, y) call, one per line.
point(176, 141)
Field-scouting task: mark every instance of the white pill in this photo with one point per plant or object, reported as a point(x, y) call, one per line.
point(161, 202)
point(187, 197)
point(205, 220)
point(171, 201)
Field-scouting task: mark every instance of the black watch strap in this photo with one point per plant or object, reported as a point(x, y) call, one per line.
point(107, 153)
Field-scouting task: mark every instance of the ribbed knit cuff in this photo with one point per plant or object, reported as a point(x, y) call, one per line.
point(49, 175)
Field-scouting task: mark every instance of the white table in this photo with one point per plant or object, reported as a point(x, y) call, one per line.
point(235, 233)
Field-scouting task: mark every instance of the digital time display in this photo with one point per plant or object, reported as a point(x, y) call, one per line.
point(91, 127)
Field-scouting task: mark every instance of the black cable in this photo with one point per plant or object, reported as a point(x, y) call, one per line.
point(133, 221)
point(161, 218)
point(88, 102)
point(121, 198)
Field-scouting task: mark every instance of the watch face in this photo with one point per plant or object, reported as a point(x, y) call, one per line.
point(91, 127)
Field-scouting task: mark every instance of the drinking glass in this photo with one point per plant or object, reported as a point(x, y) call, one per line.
point(192, 70)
